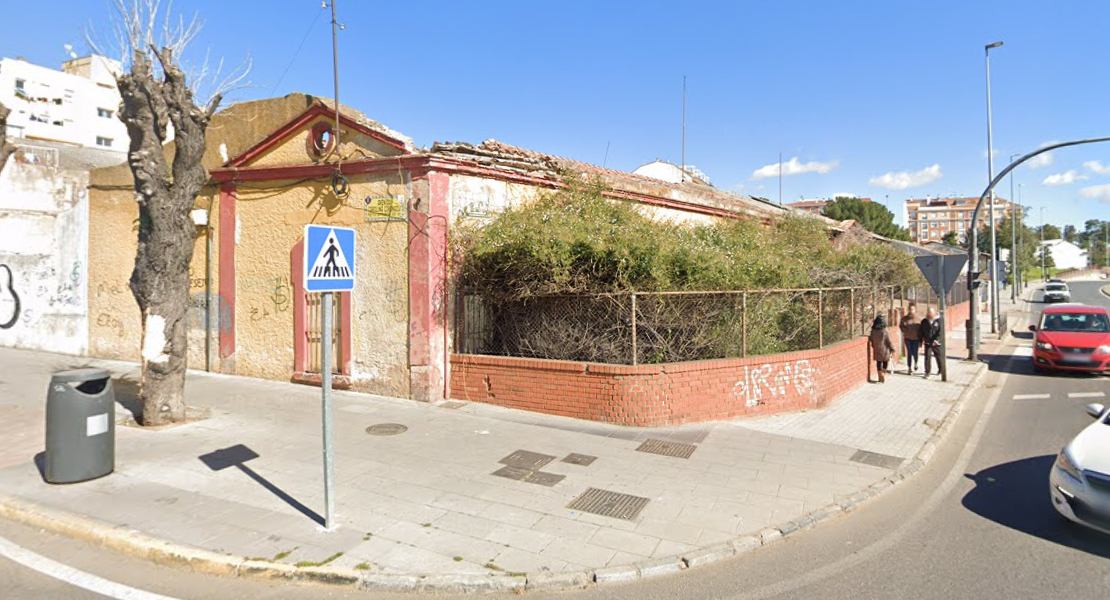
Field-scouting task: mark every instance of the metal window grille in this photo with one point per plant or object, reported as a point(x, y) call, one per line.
point(314, 333)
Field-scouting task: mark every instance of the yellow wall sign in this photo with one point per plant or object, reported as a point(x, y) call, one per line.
point(385, 208)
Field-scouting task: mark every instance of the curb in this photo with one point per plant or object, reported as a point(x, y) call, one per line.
point(122, 539)
point(1103, 290)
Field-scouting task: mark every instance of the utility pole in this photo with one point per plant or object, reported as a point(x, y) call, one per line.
point(1044, 270)
point(1013, 238)
point(684, 134)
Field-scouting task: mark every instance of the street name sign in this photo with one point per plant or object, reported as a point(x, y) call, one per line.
point(329, 259)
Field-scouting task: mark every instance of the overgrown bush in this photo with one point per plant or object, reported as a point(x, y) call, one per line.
point(578, 241)
point(555, 275)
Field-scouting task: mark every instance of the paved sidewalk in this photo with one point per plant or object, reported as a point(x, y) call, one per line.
point(433, 499)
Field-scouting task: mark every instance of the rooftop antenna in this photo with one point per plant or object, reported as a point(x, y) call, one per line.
point(606, 159)
point(335, 27)
point(683, 167)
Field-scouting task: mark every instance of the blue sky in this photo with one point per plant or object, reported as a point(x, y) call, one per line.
point(883, 99)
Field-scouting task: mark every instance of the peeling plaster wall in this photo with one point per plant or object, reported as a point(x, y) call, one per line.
point(272, 222)
point(115, 327)
point(43, 242)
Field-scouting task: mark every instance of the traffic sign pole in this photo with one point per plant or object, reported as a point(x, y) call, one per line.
point(942, 300)
point(325, 385)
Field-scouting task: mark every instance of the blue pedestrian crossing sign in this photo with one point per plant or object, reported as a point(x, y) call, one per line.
point(329, 259)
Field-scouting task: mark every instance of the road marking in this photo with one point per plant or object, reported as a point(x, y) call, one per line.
point(1086, 395)
point(74, 577)
point(1032, 396)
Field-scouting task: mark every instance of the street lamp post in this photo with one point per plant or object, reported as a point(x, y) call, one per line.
point(1021, 240)
point(1013, 238)
point(990, 176)
point(1044, 271)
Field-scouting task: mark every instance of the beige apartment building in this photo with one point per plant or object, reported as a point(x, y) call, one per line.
point(929, 219)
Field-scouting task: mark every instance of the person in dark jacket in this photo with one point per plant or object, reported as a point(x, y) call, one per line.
point(881, 347)
point(930, 339)
point(910, 326)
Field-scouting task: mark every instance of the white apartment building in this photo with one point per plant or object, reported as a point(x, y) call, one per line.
point(76, 105)
point(1065, 254)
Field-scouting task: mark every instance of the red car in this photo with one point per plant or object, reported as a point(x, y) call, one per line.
point(1072, 337)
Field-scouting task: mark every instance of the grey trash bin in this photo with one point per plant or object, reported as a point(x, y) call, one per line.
point(80, 426)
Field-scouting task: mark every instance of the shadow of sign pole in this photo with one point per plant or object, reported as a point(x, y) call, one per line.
point(237, 456)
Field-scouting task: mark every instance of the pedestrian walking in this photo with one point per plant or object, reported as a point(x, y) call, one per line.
point(930, 339)
point(910, 326)
point(881, 346)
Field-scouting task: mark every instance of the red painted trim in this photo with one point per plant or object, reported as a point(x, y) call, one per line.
point(296, 276)
point(420, 165)
point(299, 122)
point(228, 219)
point(345, 333)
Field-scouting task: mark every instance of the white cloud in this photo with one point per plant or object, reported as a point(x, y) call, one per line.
point(1100, 192)
point(1040, 160)
point(794, 167)
point(1065, 178)
point(1095, 166)
point(901, 180)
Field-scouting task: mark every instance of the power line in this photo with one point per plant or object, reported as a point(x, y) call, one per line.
point(298, 52)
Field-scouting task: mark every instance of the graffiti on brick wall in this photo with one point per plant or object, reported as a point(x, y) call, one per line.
point(9, 299)
point(758, 384)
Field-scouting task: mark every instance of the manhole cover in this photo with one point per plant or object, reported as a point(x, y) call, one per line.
point(663, 448)
point(609, 504)
point(529, 461)
point(536, 477)
point(386, 429)
point(875, 459)
point(583, 460)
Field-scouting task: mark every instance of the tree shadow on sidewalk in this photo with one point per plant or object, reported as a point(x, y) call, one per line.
point(1015, 494)
point(237, 456)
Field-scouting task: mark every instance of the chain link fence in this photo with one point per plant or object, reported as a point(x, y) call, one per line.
point(648, 328)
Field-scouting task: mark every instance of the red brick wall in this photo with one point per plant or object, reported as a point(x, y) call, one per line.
point(671, 393)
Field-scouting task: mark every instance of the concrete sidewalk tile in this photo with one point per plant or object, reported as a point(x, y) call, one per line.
point(565, 528)
point(372, 549)
point(519, 537)
point(465, 524)
point(668, 530)
point(625, 541)
point(515, 560)
point(711, 537)
point(625, 559)
point(512, 515)
point(460, 504)
point(405, 559)
point(578, 552)
point(669, 549)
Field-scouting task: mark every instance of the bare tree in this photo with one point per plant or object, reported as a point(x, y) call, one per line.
point(6, 147)
point(158, 102)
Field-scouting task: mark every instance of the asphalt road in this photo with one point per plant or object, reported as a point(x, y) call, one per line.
point(976, 523)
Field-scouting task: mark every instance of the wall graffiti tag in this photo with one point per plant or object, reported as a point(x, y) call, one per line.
point(9, 299)
point(757, 383)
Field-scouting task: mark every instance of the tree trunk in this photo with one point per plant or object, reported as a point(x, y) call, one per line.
point(6, 147)
point(165, 194)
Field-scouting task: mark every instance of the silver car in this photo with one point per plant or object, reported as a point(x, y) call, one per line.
point(1080, 479)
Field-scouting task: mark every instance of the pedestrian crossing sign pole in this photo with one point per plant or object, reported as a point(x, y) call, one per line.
point(329, 266)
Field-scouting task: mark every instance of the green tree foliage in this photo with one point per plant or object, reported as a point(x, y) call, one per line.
point(1070, 233)
point(578, 241)
point(952, 238)
point(874, 217)
point(1051, 232)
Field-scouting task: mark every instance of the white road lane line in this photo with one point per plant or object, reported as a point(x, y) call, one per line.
point(1086, 395)
point(1032, 396)
point(74, 577)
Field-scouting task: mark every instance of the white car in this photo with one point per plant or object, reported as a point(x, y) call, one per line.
point(1057, 292)
point(1080, 479)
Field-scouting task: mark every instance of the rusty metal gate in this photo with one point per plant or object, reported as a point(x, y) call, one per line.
point(314, 337)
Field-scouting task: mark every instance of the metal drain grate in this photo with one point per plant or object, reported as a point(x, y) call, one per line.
point(386, 429)
point(452, 405)
point(875, 459)
point(582, 460)
point(536, 477)
point(663, 448)
point(529, 461)
point(609, 504)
